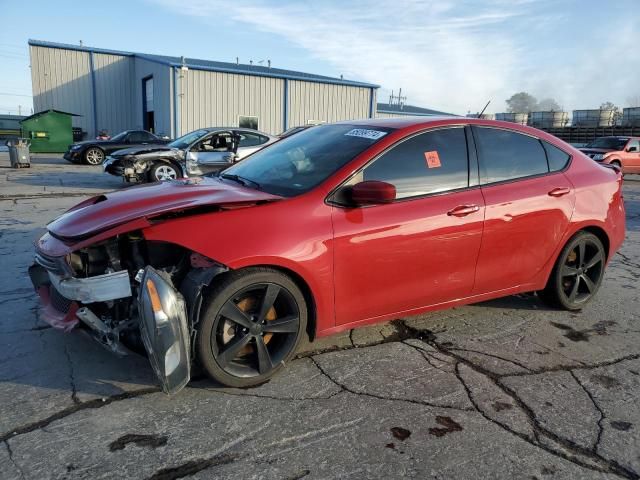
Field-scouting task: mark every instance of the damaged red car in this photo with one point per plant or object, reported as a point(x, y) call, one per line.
point(339, 226)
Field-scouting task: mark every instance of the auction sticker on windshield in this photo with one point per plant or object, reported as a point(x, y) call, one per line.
point(365, 133)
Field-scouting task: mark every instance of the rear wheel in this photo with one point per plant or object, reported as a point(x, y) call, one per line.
point(161, 171)
point(577, 274)
point(94, 156)
point(251, 325)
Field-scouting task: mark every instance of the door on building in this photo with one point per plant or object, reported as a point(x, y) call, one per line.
point(148, 120)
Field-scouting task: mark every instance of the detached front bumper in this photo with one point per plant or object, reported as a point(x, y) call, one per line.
point(57, 311)
point(61, 296)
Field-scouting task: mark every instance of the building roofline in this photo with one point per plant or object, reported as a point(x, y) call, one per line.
point(414, 114)
point(80, 48)
point(196, 66)
point(49, 110)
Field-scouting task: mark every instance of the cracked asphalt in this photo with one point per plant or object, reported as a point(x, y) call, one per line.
point(502, 389)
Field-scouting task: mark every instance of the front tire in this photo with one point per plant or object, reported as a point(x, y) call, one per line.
point(162, 172)
point(94, 156)
point(577, 274)
point(616, 163)
point(251, 325)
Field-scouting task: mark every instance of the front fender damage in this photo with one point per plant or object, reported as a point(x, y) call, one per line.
point(169, 318)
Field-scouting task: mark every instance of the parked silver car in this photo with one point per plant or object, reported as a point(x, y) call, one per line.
point(200, 152)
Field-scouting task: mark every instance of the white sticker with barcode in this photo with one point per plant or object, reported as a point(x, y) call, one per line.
point(365, 133)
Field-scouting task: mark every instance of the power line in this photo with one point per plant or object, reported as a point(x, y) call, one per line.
point(15, 95)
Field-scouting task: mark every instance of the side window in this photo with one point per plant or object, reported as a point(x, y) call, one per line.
point(251, 139)
point(148, 137)
point(507, 155)
point(136, 137)
point(634, 144)
point(557, 158)
point(215, 143)
point(427, 163)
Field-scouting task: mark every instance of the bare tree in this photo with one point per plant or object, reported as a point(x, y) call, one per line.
point(521, 102)
point(617, 112)
point(524, 102)
point(548, 104)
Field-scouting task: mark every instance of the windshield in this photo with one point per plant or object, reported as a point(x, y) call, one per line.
point(298, 163)
point(119, 136)
point(613, 143)
point(186, 140)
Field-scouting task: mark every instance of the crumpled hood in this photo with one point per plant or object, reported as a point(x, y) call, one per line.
point(145, 149)
point(103, 212)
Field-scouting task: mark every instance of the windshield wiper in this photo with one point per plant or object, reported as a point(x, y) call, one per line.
point(241, 180)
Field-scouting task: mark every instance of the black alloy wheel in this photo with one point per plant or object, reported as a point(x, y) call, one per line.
point(252, 325)
point(578, 272)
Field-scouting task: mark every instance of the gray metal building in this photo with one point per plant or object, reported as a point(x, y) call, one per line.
point(394, 110)
point(115, 91)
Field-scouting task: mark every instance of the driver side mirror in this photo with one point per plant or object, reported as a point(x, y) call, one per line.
point(372, 192)
point(632, 149)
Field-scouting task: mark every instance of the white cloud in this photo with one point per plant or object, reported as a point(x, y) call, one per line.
point(448, 55)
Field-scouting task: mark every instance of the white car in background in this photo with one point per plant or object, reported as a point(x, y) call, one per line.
point(201, 152)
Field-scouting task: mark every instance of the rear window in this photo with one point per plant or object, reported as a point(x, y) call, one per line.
point(558, 159)
point(506, 155)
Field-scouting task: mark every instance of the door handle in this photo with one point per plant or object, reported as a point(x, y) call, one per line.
point(463, 210)
point(560, 191)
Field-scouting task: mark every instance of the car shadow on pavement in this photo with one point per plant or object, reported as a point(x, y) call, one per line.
point(523, 301)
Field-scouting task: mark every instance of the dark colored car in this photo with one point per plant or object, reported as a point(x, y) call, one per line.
point(336, 227)
point(200, 152)
point(94, 152)
point(622, 152)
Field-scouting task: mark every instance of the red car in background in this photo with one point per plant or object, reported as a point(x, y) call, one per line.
point(621, 152)
point(338, 226)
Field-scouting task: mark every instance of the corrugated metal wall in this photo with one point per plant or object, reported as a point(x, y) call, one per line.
point(214, 99)
point(114, 92)
point(61, 79)
point(325, 102)
point(162, 97)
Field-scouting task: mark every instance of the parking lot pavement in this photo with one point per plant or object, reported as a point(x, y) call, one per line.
point(502, 389)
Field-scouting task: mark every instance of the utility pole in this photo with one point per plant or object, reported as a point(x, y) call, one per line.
point(399, 98)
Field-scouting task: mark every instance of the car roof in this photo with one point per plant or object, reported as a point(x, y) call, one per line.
point(413, 123)
point(408, 125)
point(237, 129)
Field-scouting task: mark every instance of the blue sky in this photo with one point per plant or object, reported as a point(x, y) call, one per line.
point(451, 55)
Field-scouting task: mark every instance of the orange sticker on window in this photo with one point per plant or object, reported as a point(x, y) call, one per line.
point(433, 159)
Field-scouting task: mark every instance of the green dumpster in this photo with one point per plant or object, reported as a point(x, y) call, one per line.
point(50, 131)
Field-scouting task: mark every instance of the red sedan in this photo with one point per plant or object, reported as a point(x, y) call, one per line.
point(339, 226)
